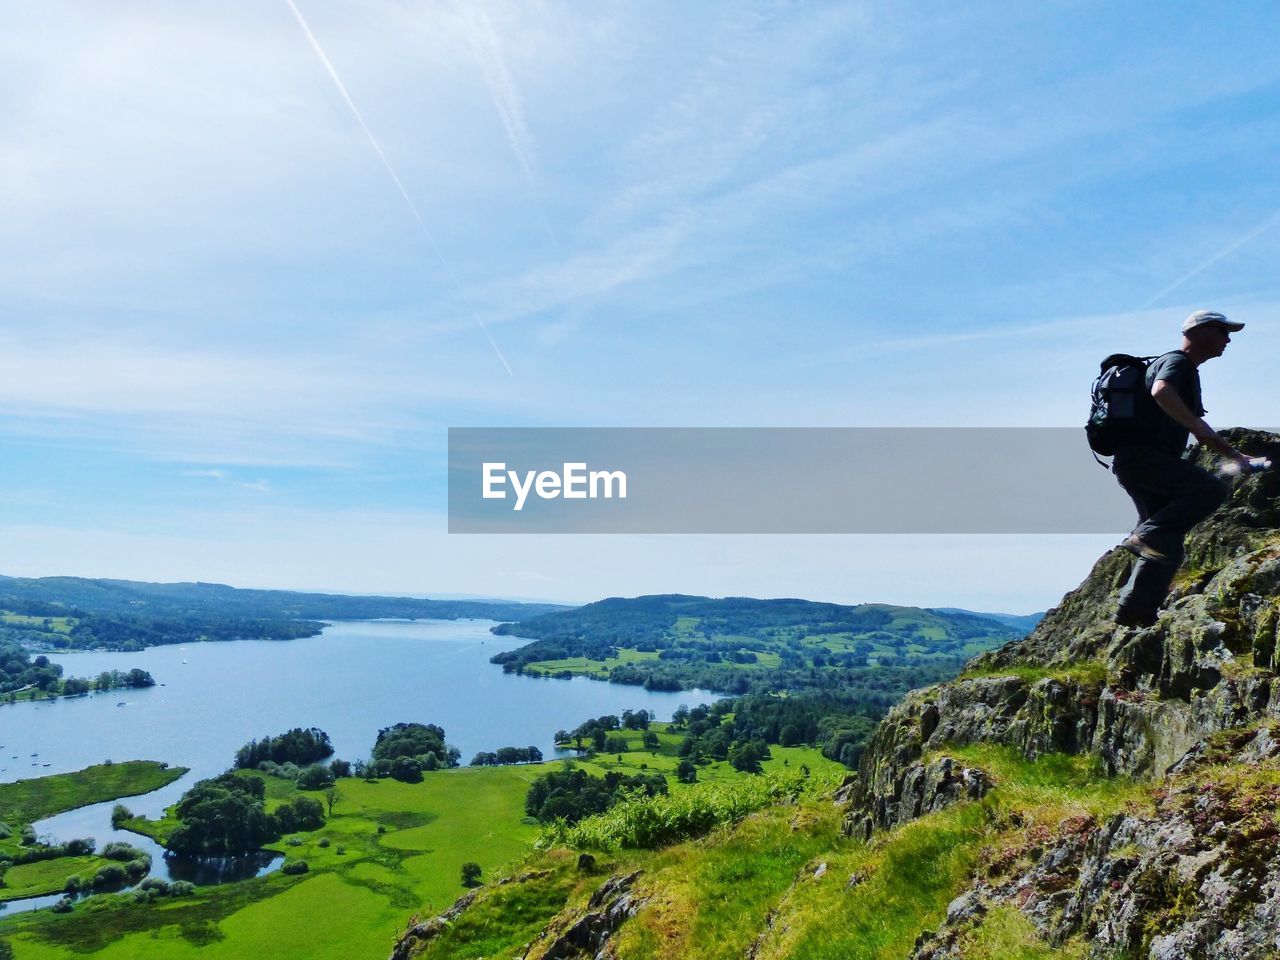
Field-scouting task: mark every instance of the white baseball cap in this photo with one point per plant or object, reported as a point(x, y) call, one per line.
point(1204, 317)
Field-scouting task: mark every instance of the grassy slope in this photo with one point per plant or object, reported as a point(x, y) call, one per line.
point(351, 903)
point(755, 884)
point(46, 624)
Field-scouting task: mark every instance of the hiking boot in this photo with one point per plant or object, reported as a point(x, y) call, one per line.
point(1140, 548)
point(1135, 618)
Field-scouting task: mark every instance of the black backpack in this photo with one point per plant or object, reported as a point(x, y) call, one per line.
point(1122, 405)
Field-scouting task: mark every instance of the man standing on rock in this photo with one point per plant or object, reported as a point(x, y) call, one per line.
point(1172, 494)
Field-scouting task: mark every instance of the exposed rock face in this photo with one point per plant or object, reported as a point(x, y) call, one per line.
point(1139, 699)
point(1186, 701)
point(919, 789)
point(1080, 627)
point(611, 905)
point(578, 936)
point(1198, 879)
point(419, 934)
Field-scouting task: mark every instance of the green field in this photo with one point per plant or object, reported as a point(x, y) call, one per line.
point(664, 759)
point(45, 624)
point(362, 886)
point(47, 876)
point(587, 667)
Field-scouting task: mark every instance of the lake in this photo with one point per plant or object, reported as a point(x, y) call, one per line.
point(350, 681)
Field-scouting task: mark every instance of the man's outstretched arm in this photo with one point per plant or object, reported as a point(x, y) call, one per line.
point(1172, 404)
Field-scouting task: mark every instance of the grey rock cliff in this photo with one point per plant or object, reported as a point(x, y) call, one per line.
point(1177, 703)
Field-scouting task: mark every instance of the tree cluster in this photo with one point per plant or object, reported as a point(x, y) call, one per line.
point(571, 794)
point(714, 736)
point(594, 734)
point(404, 750)
point(838, 722)
point(297, 746)
point(226, 815)
point(18, 670)
point(507, 755)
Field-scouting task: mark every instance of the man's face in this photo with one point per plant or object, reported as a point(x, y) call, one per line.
point(1212, 339)
point(1219, 336)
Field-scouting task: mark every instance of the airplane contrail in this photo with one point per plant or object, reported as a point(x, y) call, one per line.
point(391, 171)
point(1224, 252)
point(487, 49)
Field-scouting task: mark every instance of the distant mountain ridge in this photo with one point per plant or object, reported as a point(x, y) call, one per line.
point(1020, 621)
point(733, 644)
point(80, 612)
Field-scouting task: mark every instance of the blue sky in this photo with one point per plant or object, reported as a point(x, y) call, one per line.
point(231, 346)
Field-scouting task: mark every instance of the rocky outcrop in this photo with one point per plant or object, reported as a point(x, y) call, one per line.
point(920, 788)
point(1139, 699)
point(1190, 703)
point(1197, 878)
point(419, 935)
point(588, 934)
point(1080, 627)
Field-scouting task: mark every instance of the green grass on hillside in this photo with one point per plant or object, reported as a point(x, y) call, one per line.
point(1006, 934)
point(885, 893)
point(785, 884)
point(506, 917)
point(45, 624)
point(1090, 673)
point(363, 886)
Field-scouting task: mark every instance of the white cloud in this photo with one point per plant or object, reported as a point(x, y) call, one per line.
point(224, 405)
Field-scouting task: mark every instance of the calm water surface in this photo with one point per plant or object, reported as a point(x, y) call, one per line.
point(351, 680)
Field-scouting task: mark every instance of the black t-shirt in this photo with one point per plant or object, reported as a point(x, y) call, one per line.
point(1177, 369)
